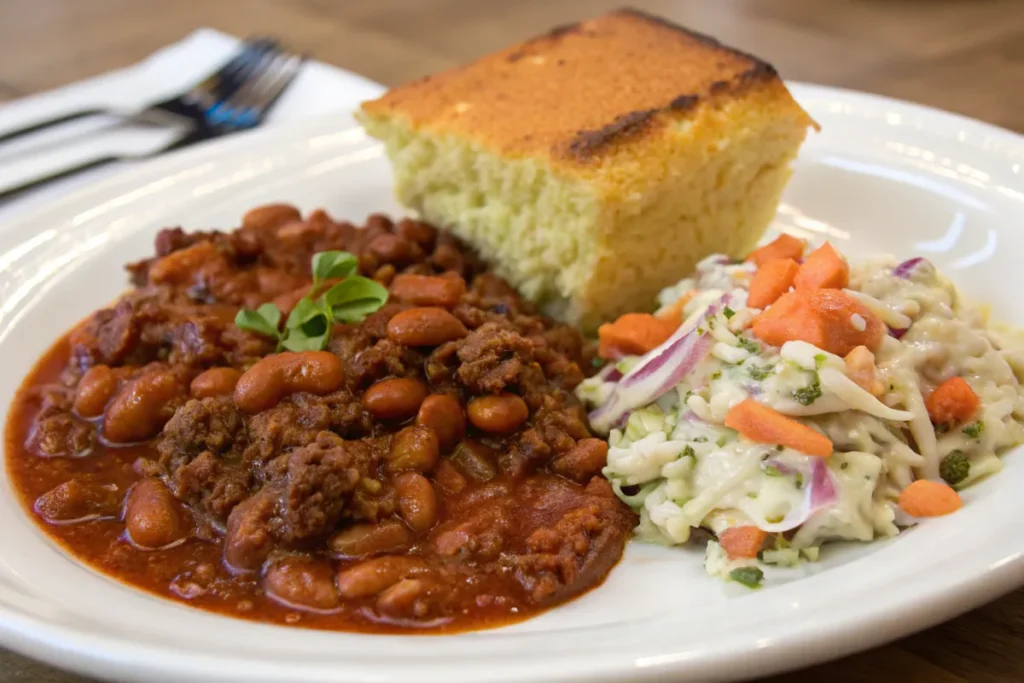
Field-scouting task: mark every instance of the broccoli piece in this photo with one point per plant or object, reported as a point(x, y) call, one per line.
point(955, 467)
point(751, 577)
point(805, 396)
point(749, 344)
point(974, 430)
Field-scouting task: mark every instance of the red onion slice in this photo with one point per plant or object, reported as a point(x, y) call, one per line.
point(906, 269)
point(658, 371)
point(820, 493)
point(609, 373)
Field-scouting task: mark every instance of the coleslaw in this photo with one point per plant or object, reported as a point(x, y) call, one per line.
point(673, 458)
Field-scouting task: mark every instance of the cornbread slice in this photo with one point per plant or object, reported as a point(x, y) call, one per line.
point(598, 163)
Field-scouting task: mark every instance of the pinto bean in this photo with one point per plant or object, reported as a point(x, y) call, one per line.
point(95, 389)
point(179, 266)
point(404, 599)
point(428, 290)
point(394, 399)
point(425, 327)
point(391, 249)
point(215, 382)
point(419, 232)
point(582, 461)
point(277, 376)
point(370, 577)
point(502, 414)
point(247, 538)
point(270, 216)
point(74, 501)
point(151, 515)
point(413, 448)
point(303, 582)
point(141, 408)
point(444, 416)
point(363, 540)
point(417, 501)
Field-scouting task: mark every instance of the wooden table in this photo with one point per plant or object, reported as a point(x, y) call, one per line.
point(966, 56)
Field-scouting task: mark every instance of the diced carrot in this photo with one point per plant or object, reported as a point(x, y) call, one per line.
point(762, 424)
point(786, 246)
point(771, 281)
point(828, 318)
point(925, 498)
point(860, 367)
point(952, 401)
point(631, 335)
point(742, 541)
point(674, 313)
point(824, 268)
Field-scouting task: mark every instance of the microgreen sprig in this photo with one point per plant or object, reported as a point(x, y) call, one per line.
point(308, 327)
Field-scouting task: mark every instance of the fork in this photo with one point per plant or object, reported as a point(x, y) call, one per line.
point(236, 98)
point(207, 92)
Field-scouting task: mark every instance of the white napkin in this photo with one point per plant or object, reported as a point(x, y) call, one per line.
point(318, 90)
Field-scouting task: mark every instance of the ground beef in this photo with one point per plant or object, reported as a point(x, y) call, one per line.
point(476, 523)
point(297, 420)
point(212, 425)
point(383, 359)
point(493, 358)
point(58, 433)
point(201, 453)
point(318, 483)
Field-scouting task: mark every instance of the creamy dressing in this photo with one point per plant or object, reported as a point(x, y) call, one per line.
point(676, 463)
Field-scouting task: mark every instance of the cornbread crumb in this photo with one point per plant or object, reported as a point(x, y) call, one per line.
point(598, 163)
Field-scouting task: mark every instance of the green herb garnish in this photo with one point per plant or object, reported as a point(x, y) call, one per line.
point(805, 396)
point(759, 372)
point(688, 452)
point(955, 467)
point(722, 440)
point(974, 430)
point(772, 471)
point(748, 344)
point(700, 439)
point(308, 327)
point(728, 312)
point(751, 577)
point(799, 480)
point(716, 374)
point(819, 360)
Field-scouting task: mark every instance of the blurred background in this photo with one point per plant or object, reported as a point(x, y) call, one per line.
point(966, 56)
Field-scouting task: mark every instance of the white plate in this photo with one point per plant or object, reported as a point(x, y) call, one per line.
point(882, 176)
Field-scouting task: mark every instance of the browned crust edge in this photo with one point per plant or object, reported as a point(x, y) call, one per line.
point(587, 144)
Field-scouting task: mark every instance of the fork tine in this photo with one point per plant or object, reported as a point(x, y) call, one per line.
point(249, 104)
point(288, 73)
point(268, 90)
point(231, 75)
point(220, 112)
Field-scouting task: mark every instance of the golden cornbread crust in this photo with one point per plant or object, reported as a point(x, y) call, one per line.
point(573, 94)
point(598, 163)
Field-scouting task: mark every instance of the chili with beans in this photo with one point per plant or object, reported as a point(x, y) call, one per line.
point(429, 470)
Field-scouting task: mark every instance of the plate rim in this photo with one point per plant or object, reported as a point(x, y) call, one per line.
point(106, 655)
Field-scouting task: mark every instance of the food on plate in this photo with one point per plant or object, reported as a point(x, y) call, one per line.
point(803, 401)
point(307, 422)
point(596, 164)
